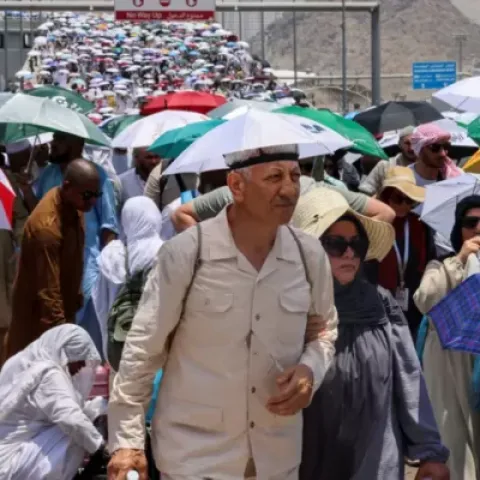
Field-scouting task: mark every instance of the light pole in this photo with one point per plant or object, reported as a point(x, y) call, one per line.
point(344, 60)
point(460, 39)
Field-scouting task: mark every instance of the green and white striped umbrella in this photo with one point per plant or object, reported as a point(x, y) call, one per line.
point(25, 116)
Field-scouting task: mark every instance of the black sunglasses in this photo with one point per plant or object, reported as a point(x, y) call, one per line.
point(436, 147)
point(336, 246)
point(470, 222)
point(398, 198)
point(89, 194)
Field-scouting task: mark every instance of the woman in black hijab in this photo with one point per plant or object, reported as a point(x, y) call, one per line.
point(372, 408)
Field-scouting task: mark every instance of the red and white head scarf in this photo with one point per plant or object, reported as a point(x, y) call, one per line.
point(429, 134)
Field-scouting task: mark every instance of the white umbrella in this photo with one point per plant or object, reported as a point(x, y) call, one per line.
point(459, 135)
point(255, 129)
point(442, 198)
point(144, 132)
point(463, 95)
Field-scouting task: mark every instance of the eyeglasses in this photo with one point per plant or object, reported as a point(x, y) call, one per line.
point(336, 246)
point(470, 222)
point(436, 147)
point(398, 198)
point(89, 194)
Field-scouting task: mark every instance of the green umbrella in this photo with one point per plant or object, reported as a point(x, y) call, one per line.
point(363, 140)
point(173, 142)
point(25, 116)
point(473, 129)
point(62, 96)
point(115, 125)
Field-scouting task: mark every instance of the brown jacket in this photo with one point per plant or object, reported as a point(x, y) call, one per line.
point(47, 288)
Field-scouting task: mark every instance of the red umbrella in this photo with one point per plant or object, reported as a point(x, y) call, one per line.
point(199, 102)
point(7, 198)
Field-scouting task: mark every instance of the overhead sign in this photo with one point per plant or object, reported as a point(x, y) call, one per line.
point(433, 75)
point(172, 10)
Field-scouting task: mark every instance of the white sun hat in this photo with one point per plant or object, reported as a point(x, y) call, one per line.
point(319, 209)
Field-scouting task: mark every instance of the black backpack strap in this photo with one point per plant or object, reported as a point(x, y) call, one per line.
point(302, 256)
point(162, 185)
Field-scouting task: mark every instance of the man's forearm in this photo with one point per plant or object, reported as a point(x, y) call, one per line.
point(183, 218)
point(379, 211)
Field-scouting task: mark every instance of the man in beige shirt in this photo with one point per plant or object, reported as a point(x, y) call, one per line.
point(244, 345)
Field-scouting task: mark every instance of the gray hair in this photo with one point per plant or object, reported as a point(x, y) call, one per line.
point(245, 172)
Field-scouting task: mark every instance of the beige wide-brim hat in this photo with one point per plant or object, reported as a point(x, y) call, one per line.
point(319, 209)
point(403, 179)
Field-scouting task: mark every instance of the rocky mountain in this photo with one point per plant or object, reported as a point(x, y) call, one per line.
point(411, 30)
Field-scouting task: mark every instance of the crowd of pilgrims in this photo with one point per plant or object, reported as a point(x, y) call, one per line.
point(80, 235)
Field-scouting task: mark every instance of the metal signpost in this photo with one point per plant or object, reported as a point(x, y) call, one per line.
point(433, 75)
point(180, 10)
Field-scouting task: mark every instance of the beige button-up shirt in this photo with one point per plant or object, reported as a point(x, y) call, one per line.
point(239, 329)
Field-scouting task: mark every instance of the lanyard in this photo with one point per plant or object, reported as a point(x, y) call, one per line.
point(402, 264)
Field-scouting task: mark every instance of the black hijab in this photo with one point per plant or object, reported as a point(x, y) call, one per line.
point(463, 206)
point(358, 303)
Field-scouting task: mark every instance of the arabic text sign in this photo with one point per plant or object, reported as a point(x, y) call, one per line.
point(433, 75)
point(180, 10)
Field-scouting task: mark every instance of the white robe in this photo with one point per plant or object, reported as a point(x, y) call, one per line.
point(45, 425)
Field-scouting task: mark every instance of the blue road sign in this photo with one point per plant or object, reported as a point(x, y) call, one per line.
point(433, 75)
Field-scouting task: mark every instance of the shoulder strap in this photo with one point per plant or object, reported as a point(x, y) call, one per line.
point(127, 271)
point(302, 255)
point(196, 266)
point(162, 185)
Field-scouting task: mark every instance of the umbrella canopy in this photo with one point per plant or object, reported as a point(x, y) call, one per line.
point(24, 116)
point(461, 144)
point(144, 132)
point(7, 198)
point(463, 95)
point(442, 198)
point(255, 129)
point(191, 101)
point(473, 129)
point(115, 125)
point(172, 143)
point(397, 115)
point(473, 163)
point(236, 103)
point(363, 140)
point(64, 97)
point(457, 317)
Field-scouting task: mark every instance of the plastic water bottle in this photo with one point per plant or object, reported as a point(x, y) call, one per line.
point(133, 475)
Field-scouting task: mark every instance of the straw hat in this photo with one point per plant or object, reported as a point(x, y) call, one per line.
point(319, 209)
point(403, 179)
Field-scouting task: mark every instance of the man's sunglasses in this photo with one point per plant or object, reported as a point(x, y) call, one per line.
point(436, 147)
point(470, 222)
point(89, 194)
point(336, 246)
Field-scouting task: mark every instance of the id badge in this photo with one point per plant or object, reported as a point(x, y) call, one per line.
point(401, 296)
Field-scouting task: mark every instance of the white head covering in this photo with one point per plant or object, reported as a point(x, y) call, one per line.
point(55, 349)
point(141, 223)
point(17, 147)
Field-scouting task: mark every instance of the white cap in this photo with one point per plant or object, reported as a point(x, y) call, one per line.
point(133, 475)
point(248, 158)
point(17, 147)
